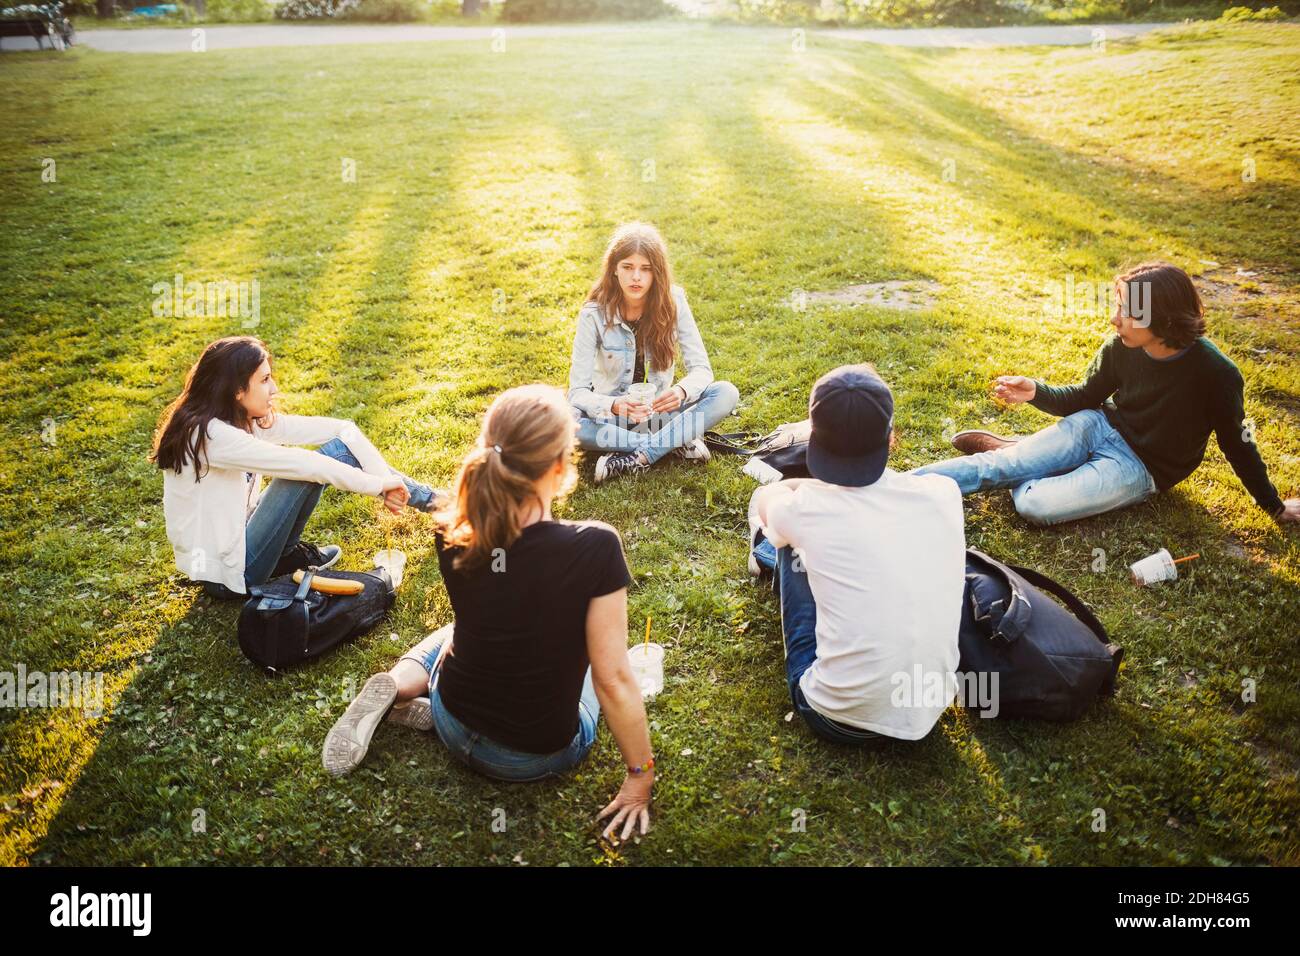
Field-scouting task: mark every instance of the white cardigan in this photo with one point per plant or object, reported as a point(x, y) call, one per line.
point(206, 518)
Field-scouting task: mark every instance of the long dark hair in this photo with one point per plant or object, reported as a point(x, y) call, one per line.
point(217, 377)
point(659, 320)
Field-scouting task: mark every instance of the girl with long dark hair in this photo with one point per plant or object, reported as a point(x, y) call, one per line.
point(216, 441)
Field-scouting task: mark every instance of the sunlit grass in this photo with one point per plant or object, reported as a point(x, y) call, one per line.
point(454, 266)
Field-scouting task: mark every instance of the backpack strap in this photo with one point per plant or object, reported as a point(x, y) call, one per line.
point(730, 443)
point(300, 602)
point(1016, 615)
point(1077, 607)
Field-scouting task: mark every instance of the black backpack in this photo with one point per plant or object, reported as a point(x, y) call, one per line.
point(785, 448)
point(283, 623)
point(1052, 662)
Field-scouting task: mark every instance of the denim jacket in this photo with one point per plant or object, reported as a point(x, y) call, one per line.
point(604, 356)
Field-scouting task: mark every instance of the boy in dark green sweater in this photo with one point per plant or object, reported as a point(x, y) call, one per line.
point(1138, 424)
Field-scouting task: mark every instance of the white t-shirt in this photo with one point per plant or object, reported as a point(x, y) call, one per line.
point(887, 565)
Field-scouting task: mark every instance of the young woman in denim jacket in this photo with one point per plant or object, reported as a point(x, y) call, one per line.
point(628, 332)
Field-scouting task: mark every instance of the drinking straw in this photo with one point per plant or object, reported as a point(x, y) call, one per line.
point(1190, 557)
point(385, 522)
point(646, 642)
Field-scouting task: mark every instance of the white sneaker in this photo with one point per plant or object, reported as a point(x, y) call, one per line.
point(349, 738)
point(415, 713)
point(694, 450)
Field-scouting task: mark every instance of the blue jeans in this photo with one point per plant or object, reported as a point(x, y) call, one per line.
point(663, 431)
point(281, 514)
point(799, 626)
point(1079, 467)
point(503, 763)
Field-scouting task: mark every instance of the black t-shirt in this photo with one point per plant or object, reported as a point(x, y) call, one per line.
point(639, 369)
point(519, 655)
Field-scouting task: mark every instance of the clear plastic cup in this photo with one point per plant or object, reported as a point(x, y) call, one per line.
point(1154, 568)
point(642, 392)
point(647, 662)
point(394, 561)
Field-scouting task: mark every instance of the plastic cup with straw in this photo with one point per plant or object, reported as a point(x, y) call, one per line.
point(390, 558)
point(1161, 566)
point(647, 660)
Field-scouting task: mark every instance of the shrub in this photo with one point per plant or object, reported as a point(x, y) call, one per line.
point(936, 11)
point(238, 11)
point(533, 10)
point(1245, 13)
point(389, 11)
point(315, 9)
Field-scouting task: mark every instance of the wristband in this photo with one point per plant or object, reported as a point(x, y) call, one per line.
point(648, 765)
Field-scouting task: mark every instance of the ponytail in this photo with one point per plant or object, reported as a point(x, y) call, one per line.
point(525, 432)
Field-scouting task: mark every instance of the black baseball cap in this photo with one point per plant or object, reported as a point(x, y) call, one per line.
point(852, 413)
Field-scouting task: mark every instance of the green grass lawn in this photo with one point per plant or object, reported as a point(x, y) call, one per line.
point(487, 184)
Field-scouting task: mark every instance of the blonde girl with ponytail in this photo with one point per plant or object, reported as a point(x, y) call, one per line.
point(514, 687)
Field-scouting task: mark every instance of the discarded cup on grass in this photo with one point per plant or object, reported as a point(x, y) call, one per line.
point(1154, 568)
point(647, 660)
point(394, 561)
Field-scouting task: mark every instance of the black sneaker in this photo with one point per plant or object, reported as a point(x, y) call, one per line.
point(303, 556)
point(617, 464)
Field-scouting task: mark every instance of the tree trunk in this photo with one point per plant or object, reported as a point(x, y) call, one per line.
point(469, 8)
point(104, 8)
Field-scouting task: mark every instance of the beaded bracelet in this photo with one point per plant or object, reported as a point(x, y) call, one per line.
point(648, 765)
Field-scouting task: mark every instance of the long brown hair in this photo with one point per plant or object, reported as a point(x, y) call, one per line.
point(659, 320)
point(216, 378)
point(1175, 312)
point(525, 431)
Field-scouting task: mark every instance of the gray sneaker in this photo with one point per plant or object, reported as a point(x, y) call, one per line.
point(349, 738)
point(415, 713)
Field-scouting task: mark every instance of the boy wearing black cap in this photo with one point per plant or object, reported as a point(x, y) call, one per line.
point(871, 569)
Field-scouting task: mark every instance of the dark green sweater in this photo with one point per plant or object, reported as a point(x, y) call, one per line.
point(1166, 410)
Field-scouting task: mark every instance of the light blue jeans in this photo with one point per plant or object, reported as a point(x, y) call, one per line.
point(282, 512)
point(1079, 467)
point(662, 432)
point(503, 763)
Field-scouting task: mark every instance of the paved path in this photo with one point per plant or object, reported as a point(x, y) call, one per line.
point(231, 37)
point(974, 37)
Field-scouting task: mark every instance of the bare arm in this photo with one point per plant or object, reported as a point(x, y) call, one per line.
point(620, 699)
point(766, 494)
